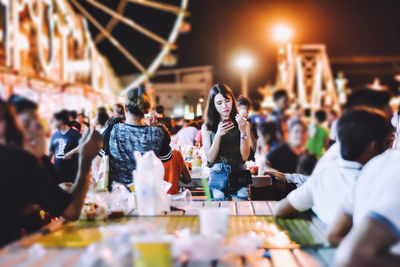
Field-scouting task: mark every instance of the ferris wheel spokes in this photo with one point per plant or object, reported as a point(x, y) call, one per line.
point(117, 16)
point(113, 22)
point(129, 22)
point(114, 41)
point(160, 6)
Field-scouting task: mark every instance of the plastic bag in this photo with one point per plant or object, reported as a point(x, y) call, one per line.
point(101, 178)
point(182, 200)
point(149, 185)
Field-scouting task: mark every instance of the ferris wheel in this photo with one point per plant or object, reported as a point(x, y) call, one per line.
point(117, 13)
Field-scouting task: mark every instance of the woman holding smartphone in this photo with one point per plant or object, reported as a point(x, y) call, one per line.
point(226, 142)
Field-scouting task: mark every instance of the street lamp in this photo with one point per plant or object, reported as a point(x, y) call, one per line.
point(244, 62)
point(282, 33)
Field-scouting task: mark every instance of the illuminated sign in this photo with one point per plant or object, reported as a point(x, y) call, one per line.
point(47, 39)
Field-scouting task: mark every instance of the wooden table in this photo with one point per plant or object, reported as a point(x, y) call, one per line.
point(242, 212)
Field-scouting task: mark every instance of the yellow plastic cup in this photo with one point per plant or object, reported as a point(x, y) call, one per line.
point(152, 254)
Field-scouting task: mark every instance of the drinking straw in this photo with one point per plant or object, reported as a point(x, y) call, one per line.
point(206, 191)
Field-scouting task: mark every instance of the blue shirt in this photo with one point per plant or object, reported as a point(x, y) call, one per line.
point(60, 145)
point(125, 139)
point(256, 119)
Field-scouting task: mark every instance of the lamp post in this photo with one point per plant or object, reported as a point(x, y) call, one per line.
point(244, 62)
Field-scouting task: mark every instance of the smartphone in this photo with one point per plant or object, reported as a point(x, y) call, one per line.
point(226, 121)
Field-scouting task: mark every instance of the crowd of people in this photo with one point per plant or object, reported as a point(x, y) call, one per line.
point(342, 166)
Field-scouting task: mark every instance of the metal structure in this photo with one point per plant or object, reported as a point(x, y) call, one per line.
point(304, 70)
point(368, 65)
point(117, 16)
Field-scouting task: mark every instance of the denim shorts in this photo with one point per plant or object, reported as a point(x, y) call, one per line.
point(218, 179)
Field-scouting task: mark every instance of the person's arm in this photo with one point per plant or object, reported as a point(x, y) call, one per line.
point(340, 228)
point(244, 128)
point(89, 147)
point(71, 153)
point(185, 177)
point(296, 178)
point(284, 209)
point(298, 200)
point(75, 150)
point(368, 244)
point(212, 149)
point(51, 154)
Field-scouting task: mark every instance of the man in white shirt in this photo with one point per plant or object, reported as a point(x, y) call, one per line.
point(371, 211)
point(359, 98)
point(363, 134)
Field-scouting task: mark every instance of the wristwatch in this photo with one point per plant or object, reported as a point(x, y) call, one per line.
point(243, 136)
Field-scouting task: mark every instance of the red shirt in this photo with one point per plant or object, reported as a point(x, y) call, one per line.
point(173, 171)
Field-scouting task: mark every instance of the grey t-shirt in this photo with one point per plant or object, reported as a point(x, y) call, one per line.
point(125, 139)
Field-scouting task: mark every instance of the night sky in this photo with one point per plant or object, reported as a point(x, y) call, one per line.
point(222, 28)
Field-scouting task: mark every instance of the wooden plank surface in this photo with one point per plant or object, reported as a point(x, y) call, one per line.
point(261, 208)
point(283, 258)
point(244, 208)
point(231, 206)
point(272, 206)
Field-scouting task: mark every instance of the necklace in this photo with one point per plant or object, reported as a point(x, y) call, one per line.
point(135, 123)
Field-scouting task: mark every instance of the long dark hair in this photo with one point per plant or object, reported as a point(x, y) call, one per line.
point(12, 132)
point(212, 116)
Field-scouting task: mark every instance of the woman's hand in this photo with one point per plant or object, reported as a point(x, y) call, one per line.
point(224, 127)
point(243, 124)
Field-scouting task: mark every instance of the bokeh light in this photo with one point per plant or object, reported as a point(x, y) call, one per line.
point(282, 33)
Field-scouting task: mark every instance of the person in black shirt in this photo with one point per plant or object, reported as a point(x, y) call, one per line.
point(64, 148)
point(24, 182)
point(34, 143)
point(281, 100)
point(285, 157)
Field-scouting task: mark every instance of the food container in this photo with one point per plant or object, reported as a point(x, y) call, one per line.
point(262, 181)
point(253, 169)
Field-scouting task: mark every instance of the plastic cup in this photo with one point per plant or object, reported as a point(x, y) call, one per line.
point(214, 221)
point(152, 251)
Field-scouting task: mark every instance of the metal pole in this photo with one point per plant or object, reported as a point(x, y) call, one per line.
point(245, 86)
